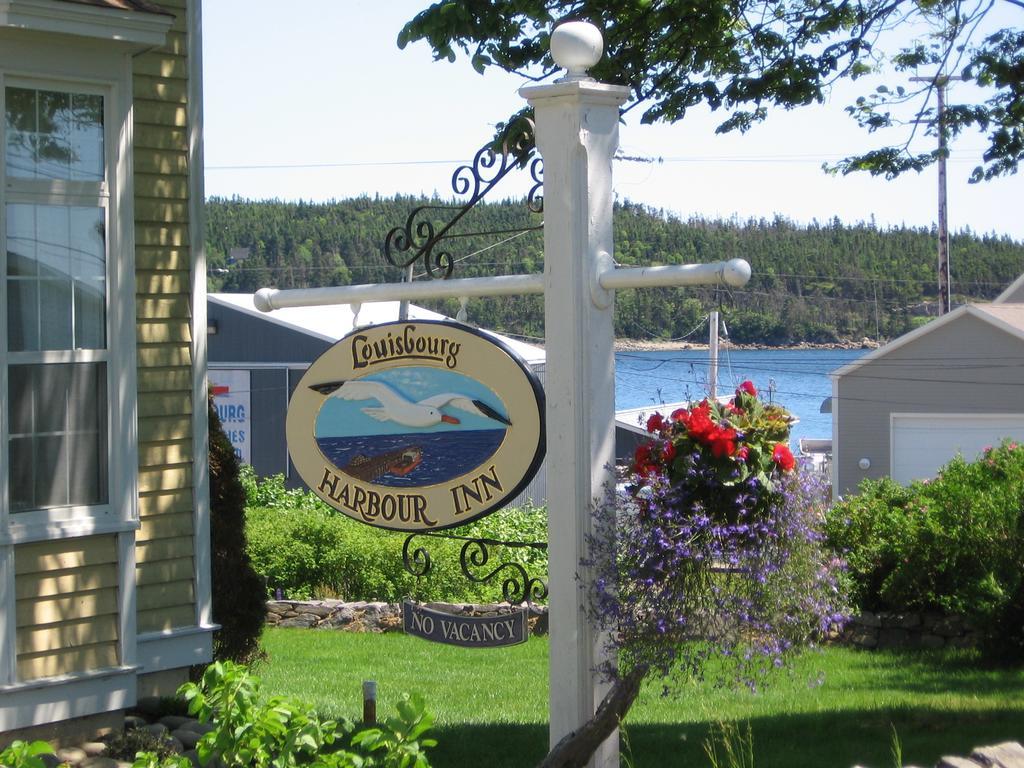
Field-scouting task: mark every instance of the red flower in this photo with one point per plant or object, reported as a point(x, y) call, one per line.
point(699, 423)
point(680, 415)
point(723, 442)
point(742, 453)
point(643, 462)
point(747, 387)
point(783, 457)
point(668, 453)
point(655, 422)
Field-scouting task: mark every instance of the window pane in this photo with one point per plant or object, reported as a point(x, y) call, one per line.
point(22, 315)
point(21, 390)
point(21, 240)
point(87, 137)
point(58, 444)
point(54, 135)
point(59, 298)
point(90, 312)
point(20, 477)
point(55, 314)
point(21, 130)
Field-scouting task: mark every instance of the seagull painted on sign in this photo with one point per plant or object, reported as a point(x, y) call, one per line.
point(394, 407)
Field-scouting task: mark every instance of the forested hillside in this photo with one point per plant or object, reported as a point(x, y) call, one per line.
point(824, 282)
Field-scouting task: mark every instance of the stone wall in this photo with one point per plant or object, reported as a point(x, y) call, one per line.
point(1009, 754)
point(379, 617)
point(903, 629)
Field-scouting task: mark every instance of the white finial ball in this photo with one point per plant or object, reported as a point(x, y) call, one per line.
point(576, 46)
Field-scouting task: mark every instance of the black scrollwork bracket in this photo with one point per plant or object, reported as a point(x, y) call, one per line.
point(418, 238)
point(517, 586)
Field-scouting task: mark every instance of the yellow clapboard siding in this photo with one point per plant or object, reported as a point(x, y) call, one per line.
point(163, 257)
point(165, 479)
point(165, 380)
point(64, 554)
point(164, 356)
point(162, 331)
point(70, 634)
point(159, 211)
point(162, 282)
point(160, 89)
point(166, 526)
point(149, 112)
point(51, 610)
point(161, 234)
point(165, 404)
point(166, 595)
point(158, 64)
point(162, 308)
point(163, 571)
point(163, 619)
point(152, 185)
point(160, 454)
point(35, 666)
point(162, 429)
point(165, 502)
point(154, 161)
point(160, 137)
point(164, 549)
point(48, 583)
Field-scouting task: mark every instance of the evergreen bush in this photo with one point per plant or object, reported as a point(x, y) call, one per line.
point(238, 591)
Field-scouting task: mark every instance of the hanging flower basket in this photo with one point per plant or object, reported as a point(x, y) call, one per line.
point(713, 548)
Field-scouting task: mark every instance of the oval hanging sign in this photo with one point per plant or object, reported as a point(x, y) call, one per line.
point(417, 425)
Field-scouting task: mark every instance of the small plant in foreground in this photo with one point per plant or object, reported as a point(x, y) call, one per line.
point(730, 746)
point(25, 754)
point(250, 731)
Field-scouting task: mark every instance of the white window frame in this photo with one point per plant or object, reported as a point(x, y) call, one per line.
point(120, 511)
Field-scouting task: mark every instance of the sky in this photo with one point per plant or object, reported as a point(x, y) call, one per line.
point(313, 100)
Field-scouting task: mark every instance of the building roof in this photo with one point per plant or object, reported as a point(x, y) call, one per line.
point(1008, 318)
point(330, 323)
point(125, 5)
point(1007, 296)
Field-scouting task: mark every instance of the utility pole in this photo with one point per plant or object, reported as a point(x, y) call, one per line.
point(940, 82)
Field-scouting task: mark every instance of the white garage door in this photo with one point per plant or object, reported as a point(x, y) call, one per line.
point(921, 443)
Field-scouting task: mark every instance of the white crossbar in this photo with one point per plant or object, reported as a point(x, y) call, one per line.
point(734, 273)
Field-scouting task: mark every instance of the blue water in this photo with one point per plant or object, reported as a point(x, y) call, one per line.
point(446, 455)
point(795, 378)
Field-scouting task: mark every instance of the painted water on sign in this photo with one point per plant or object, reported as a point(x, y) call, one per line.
point(409, 426)
point(413, 459)
point(796, 378)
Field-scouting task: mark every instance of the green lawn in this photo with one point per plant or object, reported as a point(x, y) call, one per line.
point(491, 705)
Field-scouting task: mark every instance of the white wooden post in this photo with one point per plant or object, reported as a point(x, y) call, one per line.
point(577, 134)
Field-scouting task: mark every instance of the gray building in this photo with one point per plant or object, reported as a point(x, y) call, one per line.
point(955, 385)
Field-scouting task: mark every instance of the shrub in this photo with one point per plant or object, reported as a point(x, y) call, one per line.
point(253, 731)
point(954, 544)
point(308, 550)
point(238, 591)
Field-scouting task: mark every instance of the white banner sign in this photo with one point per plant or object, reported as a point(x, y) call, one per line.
point(231, 398)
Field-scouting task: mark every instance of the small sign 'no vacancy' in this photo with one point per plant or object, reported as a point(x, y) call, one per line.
point(467, 631)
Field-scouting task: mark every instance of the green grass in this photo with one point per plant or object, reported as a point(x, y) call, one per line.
point(491, 705)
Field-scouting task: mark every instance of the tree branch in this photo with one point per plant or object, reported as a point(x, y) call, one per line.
point(575, 749)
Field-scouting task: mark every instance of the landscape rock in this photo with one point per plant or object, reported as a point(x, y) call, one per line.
point(157, 729)
point(50, 760)
point(1009, 754)
point(71, 755)
point(173, 722)
point(866, 619)
point(131, 722)
point(98, 762)
point(192, 755)
point(94, 748)
point(956, 762)
point(187, 739)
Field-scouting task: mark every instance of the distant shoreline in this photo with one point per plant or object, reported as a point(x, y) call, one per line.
point(646, 345)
